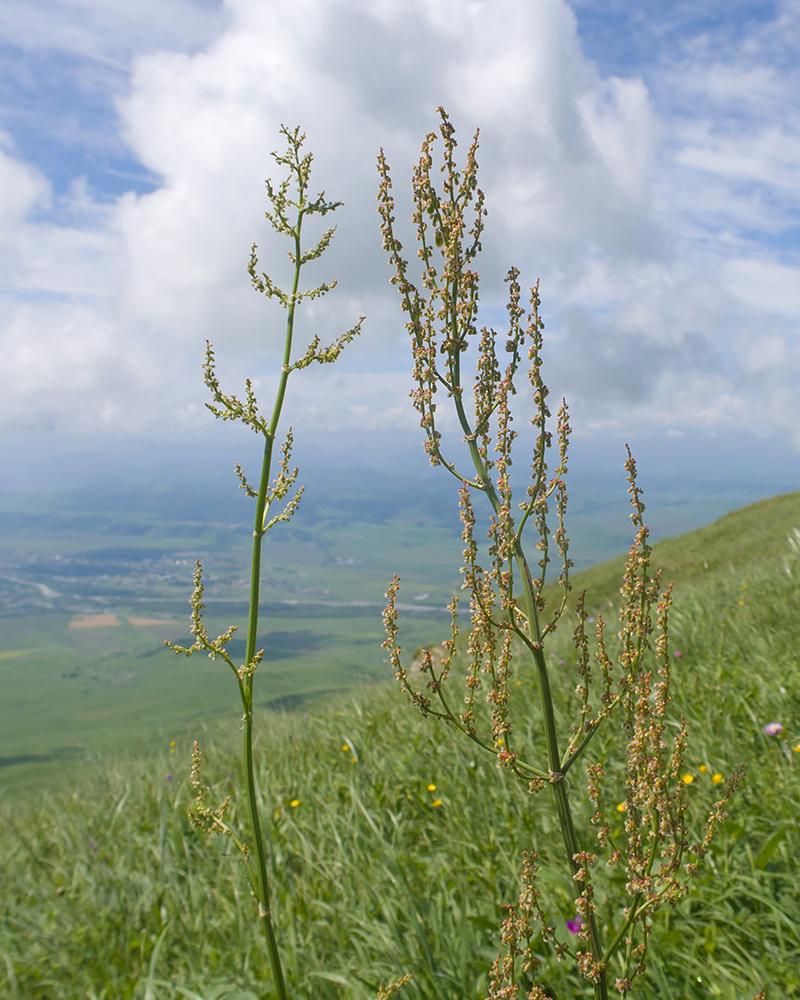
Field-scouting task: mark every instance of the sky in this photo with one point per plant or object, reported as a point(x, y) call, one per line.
point(642, 161)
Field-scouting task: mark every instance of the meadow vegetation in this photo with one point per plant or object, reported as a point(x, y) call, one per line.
point(378, 849)
point(109, 892)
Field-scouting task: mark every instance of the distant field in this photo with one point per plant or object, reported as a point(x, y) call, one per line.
point(71, 693)
point(122, 561)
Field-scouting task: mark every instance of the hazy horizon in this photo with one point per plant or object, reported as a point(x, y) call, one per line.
point(683, 488)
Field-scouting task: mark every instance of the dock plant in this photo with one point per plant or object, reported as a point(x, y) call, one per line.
point(290, 206)
point(627, 845)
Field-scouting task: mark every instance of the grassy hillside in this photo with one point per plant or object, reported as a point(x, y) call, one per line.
point(737, 543)
point(395, 844)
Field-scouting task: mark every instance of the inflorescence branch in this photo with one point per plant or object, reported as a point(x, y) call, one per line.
point(511, 616)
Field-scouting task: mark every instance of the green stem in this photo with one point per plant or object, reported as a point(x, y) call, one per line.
point(558, 782)
point(263, 886)
point(627, 924)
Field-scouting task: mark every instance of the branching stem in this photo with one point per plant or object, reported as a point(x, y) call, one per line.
point(507, 598)
point(229, 407)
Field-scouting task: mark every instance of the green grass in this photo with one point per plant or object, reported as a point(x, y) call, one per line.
point(732, 545)
point(110, 894)
point(71, 695)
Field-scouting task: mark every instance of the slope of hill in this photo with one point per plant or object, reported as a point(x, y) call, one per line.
point(395, 843)
point(737, 544)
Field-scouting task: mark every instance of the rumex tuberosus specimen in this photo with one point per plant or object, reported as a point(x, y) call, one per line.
point(511, 616)
point(290, 206)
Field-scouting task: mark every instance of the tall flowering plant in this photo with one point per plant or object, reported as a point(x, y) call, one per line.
point(290, 207)
point(510, 616)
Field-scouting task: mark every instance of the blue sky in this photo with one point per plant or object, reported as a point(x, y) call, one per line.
point(642, 160)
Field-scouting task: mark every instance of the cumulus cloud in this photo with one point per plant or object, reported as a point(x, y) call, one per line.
point(565, 155)
point(637, 212)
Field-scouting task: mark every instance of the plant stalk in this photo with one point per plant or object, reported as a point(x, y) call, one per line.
point(558, 781)
point(264, 908)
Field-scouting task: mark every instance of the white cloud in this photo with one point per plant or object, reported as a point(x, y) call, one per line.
point(110, 31)
point(766, 156)
point(765, 286)
point(22, 188)
point(572, 152)
point(638, 218)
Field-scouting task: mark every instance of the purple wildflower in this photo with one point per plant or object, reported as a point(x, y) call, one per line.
point(574, 926)
point(169, 777)
point(773, 729)
point(677, 654)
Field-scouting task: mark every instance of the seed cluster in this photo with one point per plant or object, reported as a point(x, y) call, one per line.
point(510, 616)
